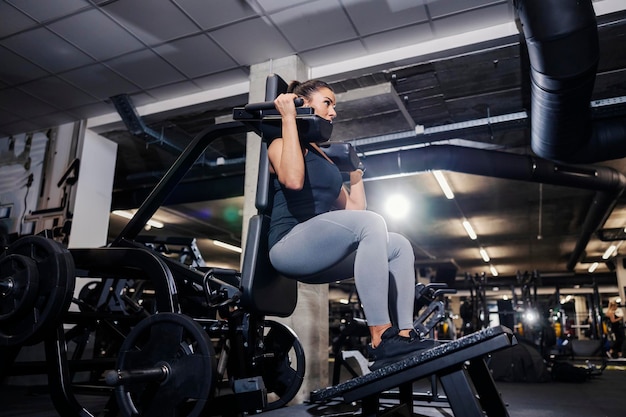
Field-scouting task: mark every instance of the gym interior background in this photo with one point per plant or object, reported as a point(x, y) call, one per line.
point(429, 93)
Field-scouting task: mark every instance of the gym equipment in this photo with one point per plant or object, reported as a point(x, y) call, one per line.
point(266, 120)
point(475, 312)
point(343, 155)
point(166, 364)
point(163, 314)
point(459, 366)
point(19, 283)
point(257, 364)
point(430, 311)
point(427, 300)
point(37, 281)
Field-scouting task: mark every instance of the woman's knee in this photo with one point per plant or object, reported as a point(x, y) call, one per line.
point(401, 244)
point(373, 222)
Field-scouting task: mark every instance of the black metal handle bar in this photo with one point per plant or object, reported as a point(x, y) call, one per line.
point(269, 105)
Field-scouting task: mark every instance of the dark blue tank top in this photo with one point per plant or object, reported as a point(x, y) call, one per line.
point(322, 184)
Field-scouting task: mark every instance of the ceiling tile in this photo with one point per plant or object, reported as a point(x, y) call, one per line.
point(314, 24)
point(442, 8)
point(12, 20)
point(112, 40)
point(152, 21)
point(473, 20)
point(271, 6)
point(29, 105)
point(57, 92)
point(92, 110)
point(333, 53)
point(195, 56)
point(252, 41)
point(7, 117)
point(235, 76)
point(47, 50)
point(209, 17)
point(174, 90)
point(46, 10)
point(99, 81)
point(398, 38)
point(18, 127)
point(390, 15)
point(54, 119)
point(16, 70)
point(145, 68)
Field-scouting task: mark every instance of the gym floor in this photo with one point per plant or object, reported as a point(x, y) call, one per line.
point(602, 396)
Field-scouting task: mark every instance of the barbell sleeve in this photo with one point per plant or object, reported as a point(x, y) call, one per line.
point(118, 377)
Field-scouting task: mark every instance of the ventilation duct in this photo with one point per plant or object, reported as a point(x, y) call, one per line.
point(607, 182)
point(563, 50)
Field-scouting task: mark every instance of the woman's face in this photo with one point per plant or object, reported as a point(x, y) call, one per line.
point(323, 103)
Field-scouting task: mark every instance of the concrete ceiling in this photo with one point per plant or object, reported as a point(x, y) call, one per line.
point(408, 74)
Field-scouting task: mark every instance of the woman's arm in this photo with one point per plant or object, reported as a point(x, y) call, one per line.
point(355, 198)
point(286, 154)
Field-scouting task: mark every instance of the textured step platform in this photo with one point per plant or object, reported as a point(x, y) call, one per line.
point(459, 365)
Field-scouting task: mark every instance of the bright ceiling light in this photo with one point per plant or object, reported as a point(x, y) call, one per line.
point(443, 184)
point(470, 231)
point(155, 223)
point(397, 206)
point(593, 267)
point(609, 252)
point(493, 270)
point(129, 215)
point(227, 246)
point(484, 255)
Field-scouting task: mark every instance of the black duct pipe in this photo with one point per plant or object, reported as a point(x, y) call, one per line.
point(607, 182)
point(563, 50)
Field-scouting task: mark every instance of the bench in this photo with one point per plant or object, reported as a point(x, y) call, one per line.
point(459, 365)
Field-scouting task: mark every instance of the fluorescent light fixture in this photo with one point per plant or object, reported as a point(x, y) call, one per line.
point(227, 246)
point(609, 252)
point(593, 267)
point(154, 223)
point(469, 230)
point(484, 255)
point(129, 215)
point(443, 184)
point(493, 270)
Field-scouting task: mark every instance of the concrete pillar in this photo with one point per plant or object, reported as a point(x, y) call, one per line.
point(92, 202)
point(582, 312)
point(310, 319)
point(620, 270)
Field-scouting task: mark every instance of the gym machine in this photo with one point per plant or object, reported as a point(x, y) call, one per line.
point(185, 341)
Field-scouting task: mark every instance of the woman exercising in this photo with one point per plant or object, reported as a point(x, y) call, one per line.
point(316, 222)
point(616, 321)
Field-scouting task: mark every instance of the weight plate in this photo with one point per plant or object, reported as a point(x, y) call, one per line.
point(19, 283)
point(179, 343)
point(282, 365)
point(55, 267)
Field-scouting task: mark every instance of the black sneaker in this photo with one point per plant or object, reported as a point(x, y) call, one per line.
point(394, 347)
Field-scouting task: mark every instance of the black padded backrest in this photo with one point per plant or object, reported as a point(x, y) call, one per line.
point(262, 200)
point(264, 290)
point(274, 85)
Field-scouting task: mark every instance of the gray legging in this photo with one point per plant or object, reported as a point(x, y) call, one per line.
point(383, 271)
